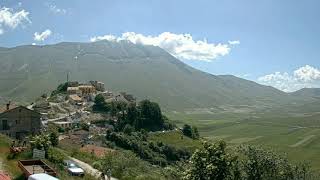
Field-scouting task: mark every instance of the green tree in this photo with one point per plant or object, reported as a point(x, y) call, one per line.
point(260, 164)
point(128, 129)
point(41, 141)
point(211, 163)
point(195, 133)
point(151, 115)
point(99, 100)
point(56, 156)
point(60, 89)
point(132, 114)
point(54, 138)
point(187, 130)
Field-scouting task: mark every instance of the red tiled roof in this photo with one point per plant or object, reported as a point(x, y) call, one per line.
point(3, 108)
point(4, 176)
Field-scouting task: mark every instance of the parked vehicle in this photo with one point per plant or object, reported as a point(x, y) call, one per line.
point(73, 169)
point(42, 176)
point(31, 167)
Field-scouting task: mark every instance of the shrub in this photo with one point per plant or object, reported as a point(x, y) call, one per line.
point(56, 156)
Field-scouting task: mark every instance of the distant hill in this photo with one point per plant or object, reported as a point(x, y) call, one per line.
point(308, 93)
point(145, 71)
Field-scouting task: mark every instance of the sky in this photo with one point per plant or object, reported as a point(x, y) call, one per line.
point(271, 42)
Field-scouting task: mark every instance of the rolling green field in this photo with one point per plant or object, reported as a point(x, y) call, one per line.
point(295, 135)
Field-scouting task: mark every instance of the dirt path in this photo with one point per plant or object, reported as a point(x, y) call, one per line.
point(304, 140)
point(89, 169)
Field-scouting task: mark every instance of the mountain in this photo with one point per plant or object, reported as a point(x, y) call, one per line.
point(145, 71)
point(308, 93)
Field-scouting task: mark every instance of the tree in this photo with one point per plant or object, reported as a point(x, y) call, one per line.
point(56, 157)
point(190, 131)
point(60, 89)
point(54, 138)
point(128, 129)
point(151, 115)
point(100, 104)
point(41, 141)
point(195, 133)
point(260, 164)
point(132, 114)
point(187, 130)
point(99, 100)
point(210, 163)
point(84, 126)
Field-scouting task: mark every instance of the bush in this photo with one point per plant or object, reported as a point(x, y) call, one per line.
point(155, 153)
point(190, 131)
point(211, 162)
point(128, 129)
point(215, 162)
point(54, 138)
point(56, 156)
point(126, 165)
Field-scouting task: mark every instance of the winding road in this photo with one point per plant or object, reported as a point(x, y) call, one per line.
point(89, 169)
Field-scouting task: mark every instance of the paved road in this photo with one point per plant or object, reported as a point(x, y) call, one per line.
point(89, 169)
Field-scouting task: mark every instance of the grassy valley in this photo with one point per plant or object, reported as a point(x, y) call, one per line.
point(294, 134)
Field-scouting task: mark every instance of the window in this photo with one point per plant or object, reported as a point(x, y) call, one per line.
point(5, 125)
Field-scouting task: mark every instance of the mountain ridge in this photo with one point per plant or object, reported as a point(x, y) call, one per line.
point(145, 71)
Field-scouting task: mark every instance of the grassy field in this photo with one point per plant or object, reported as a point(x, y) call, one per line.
point(175, 138)
point(295, 135)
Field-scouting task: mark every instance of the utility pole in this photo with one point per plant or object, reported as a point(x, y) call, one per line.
point(67, 76)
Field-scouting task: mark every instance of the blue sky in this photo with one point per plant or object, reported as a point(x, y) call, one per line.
point(277, 40)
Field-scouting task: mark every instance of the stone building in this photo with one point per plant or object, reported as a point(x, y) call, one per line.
point(73, 90)
point(87, 89)
point(18, 121)
point(98, 85)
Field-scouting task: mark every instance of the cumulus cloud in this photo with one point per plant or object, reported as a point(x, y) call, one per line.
point(182, 46)
point(307, 73)
point(42, 36)
point(11, 19)
point(303, 77)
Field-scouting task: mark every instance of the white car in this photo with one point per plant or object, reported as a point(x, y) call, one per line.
point(41, 176)
point(73, 169)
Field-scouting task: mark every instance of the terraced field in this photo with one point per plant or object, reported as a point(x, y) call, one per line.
point(296, 135)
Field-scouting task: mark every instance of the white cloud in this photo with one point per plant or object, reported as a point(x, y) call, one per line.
point(234, 42)
point(53, 8)
point(42, 36)
point(303, 77)
point(307, 73)
point(11, 19)
point(182, 46)
point(33, 44)
point(105, 37)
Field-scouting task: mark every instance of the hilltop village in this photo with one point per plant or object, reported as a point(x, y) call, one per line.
point(80, 120)
point(65, 108)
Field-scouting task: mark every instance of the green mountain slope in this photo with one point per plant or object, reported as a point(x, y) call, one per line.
point(145, 71)
point(308, 92)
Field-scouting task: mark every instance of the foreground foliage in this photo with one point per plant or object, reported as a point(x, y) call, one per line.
point(154, 152)
point(214, 162)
